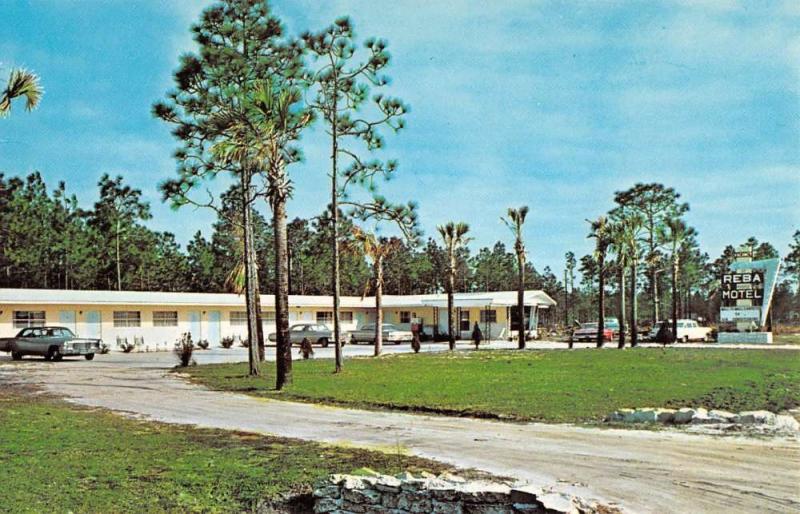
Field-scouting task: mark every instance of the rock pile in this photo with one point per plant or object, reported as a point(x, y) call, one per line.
point(701, 416)
point(374, 493)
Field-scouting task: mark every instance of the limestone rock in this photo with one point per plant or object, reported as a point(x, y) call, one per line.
point(757, 417)
point(388, 484)
point(644, 415)
point(368, 496)
point(558, 502)
point(700, 417)
point(785, 423)
point(324, 505)
point(665, 415)
point(449, 477)
point(722, 416)
point(683, 416)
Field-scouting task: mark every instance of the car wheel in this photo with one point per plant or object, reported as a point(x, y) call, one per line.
point(685, 339)
point(54, 354)
point(89, 356)
point(324, 342)
point(16, 356)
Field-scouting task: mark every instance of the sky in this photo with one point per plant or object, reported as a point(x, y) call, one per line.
point(554, 105)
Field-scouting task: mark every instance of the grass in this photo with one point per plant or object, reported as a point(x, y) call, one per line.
point(56, 457)
point(553, 386)
point(786, 339)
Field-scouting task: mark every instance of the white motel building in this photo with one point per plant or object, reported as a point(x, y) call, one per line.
point(155, 319)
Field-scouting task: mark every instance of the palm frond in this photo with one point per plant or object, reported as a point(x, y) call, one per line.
point(21, 83)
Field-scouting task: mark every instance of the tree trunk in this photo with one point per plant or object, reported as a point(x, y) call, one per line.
point(335, 236)
point(653, 268)
point(521, 299)
point(622, 314)
point(566, 301)
point(378, 303)
point(259, 323)
point(283, 345)
point(675, 299)
point(250, 277)
point(634, 309)
point(119, 265)
point(451, 283)
point(601, 300)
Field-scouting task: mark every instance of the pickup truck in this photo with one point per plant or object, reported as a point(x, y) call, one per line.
point(52, 343)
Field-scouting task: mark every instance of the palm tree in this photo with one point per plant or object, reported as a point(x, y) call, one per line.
point(21, 83)
point(454, 236)
point(376, 249)
point(676, 233)
point(516, 218)
point(600, 232)
point(619, 244)
point(259, 141)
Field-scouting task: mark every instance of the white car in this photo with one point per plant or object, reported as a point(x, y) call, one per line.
point(391, 334)
point(688, 330)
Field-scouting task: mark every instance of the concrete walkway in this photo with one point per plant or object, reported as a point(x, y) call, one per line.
point(643, 471)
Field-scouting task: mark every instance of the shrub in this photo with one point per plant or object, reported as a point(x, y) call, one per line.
point(227, 341)
point(127, 347)
point(184, 348)
point(104, 349)
point(244, 343)
point(203, 344)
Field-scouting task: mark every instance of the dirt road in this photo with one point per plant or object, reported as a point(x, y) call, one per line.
point(642, 471)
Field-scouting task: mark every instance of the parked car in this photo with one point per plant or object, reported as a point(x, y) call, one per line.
point(588, 332)
point(52, 343)
point(317, 333)
point(391, 334)
point(688, 330)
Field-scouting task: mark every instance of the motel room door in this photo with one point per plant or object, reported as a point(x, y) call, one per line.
point(93, 325)
point(214, 327)
point(68, 319)
point(194, 326)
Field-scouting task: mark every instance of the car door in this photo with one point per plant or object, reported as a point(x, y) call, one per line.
point(296, 333)
point(23, 341)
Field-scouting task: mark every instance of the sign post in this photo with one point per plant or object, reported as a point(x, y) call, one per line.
point(746, 293)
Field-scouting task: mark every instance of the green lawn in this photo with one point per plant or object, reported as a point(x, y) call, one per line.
point(786, 339)
point(554, 385)
point(58, 458)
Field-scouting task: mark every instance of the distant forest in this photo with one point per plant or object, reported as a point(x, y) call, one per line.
point(48, 241)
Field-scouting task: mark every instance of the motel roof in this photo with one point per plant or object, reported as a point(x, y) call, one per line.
point(78, 297)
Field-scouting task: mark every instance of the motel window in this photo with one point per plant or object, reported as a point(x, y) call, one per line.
point(238, 319)
point(268, 317)
point(405, 316)
point(346, 316)
point(489, 316)
point(127, 319)
point(24, 319)
point(464, 318)
point(324, 316)
point(165, 318)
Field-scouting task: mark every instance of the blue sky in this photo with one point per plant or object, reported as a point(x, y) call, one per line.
point(551, 104)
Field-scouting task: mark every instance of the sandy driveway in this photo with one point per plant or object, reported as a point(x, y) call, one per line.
point(643, 471)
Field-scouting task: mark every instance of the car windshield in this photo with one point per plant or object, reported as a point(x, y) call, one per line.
point(588, 325)
point(389, 326)
point(298, 328)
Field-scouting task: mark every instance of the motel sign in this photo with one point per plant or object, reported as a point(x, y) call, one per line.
point(743, 285)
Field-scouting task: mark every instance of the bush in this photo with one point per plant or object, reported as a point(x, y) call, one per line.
point(184, 348)
point(203, 344)
point(104, 349)
point(227, 341)
point(127, 347)
point(244, 343)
